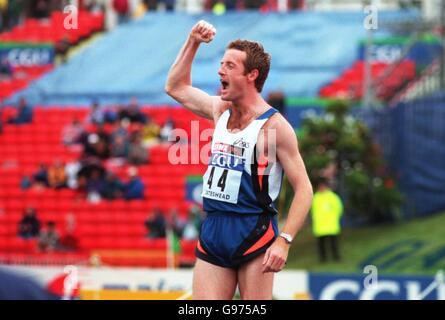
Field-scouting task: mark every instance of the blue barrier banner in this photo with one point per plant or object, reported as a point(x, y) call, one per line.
point(363, 287)
point(27, 55)
point(422, 53)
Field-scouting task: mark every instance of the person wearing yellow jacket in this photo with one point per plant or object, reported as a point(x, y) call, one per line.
point(326, 211)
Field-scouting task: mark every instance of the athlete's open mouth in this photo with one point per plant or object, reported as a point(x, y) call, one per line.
point(224, 84)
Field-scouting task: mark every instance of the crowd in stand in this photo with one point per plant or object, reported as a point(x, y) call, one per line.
point(157, 224)
point(12, 12)
point(49, 239)
point(109, 137)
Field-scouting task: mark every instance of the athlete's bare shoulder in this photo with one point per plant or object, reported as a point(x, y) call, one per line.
point(284, 133)
point(277, 121)
point(219, 106)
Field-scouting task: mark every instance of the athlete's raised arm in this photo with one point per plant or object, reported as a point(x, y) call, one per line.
point(179, 82)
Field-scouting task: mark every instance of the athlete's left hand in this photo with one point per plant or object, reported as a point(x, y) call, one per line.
point(276, 256)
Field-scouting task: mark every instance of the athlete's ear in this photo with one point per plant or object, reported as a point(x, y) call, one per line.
point(252, 75)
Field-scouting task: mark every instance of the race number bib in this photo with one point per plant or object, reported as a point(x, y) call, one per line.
point(222, 179)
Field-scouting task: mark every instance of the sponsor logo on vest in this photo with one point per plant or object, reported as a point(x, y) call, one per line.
point(227, 161)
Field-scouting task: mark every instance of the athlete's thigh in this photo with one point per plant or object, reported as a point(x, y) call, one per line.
point(253, 283)
point(211, 282)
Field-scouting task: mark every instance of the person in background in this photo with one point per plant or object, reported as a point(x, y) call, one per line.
point(122, 9)
point(134, 188)
point(277, 100)
point(150, 133)
point(326, 211)
point(94, 6)
point(40, 178)
point(40, 9)
point(24, 113)
point(95, 186)
point(49, 238)
point(113, 187)
point(29, 225)
point(72, 132)
point(167, 131)
point(3, 12)
point(177, 224)
point(155, 224)
point(137, 153)
point(132, 112)
point(96, 115)
point(62, 46)
point(56, 175)
point(69, 242)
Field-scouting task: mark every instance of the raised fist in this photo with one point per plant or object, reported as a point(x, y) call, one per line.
point(203, 32)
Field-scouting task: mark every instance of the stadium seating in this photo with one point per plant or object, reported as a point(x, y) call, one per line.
point(350, 83)
point(108, 225)
point(307, 51)
point(52, 30)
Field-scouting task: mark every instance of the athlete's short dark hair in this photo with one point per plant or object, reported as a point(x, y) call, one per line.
point(256, 58)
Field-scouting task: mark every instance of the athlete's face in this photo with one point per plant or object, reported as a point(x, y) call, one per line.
point(232, 75)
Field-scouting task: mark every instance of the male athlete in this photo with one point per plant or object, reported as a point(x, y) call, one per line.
point(239, 242)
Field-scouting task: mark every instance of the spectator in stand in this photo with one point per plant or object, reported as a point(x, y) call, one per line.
point(169, 4)
point(177, 224)
point(166, 134)
point(29, 225)
point(89, 142)
point(219, 8)
point(24, 114)
point(120, 147)
point(277, 100)
point(15, 10)
point(68, 242)
point(25, 183)
point(95, 186)
point(132, 112)
point(56, 175)
point(97, 115)
point(94, 146)
point(103, 145)
point(94, 6)
point(71, 170)
point(49, 238)
point(150, 133)
point(122, 9)
point(155, 224)
point(113, 187)
point(40, 9)
point(137, 153)
point(134, 188)
point(120, 129)
point(3, 12)
point(296, 4)
point(61, 48)
point(72, 133)
point(193, 225)
point(253, 4)
point(87, 166)
point(40, 178)
point(120, 141)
